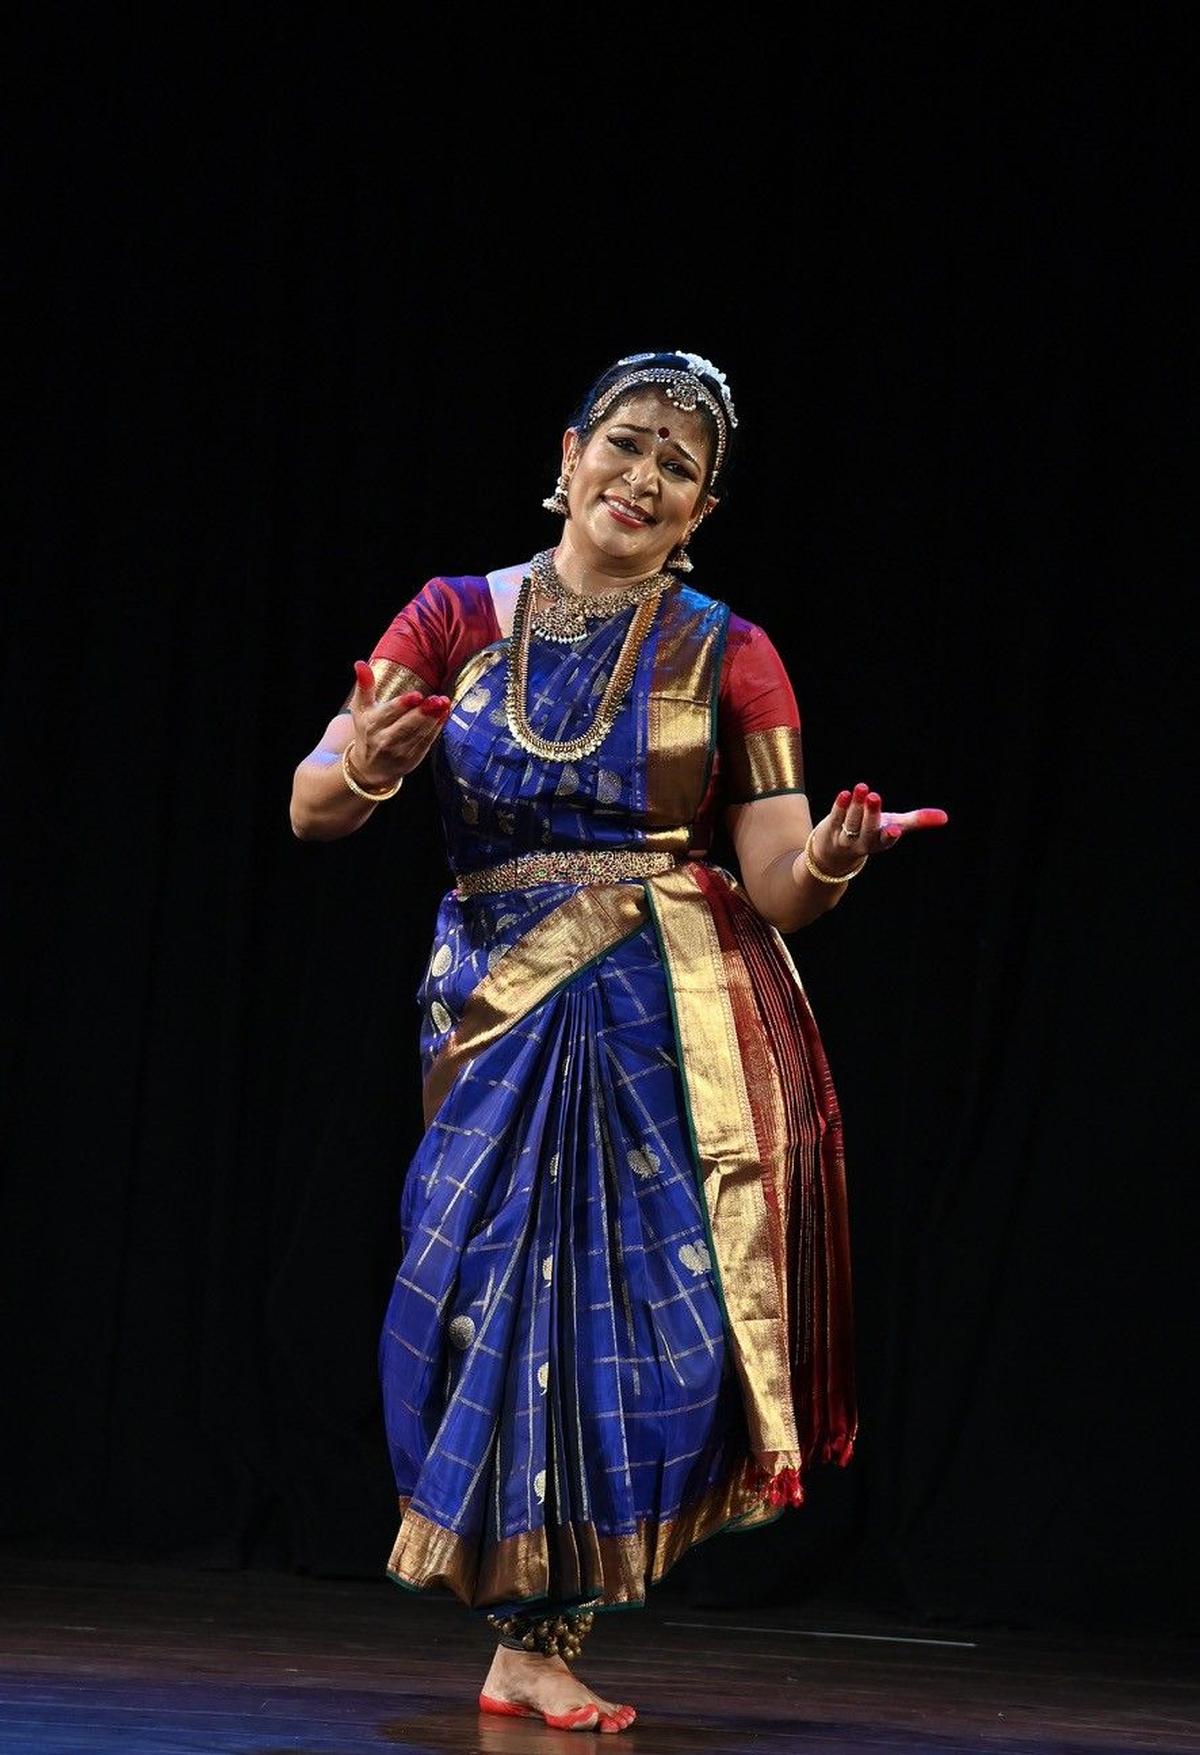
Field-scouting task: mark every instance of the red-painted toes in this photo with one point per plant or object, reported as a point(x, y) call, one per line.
point(585, 1717)
point(617, 1721)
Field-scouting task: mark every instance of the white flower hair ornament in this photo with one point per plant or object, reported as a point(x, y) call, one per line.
point(698, 364)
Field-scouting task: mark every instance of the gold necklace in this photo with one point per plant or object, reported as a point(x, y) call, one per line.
point(618, 683)
point(563, 615)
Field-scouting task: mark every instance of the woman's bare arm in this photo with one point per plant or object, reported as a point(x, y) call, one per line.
point(767, 835)
point(770, 836)
point(386, 742)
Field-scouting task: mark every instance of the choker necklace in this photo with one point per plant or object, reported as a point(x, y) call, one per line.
point(648, 592)
point(563, 615)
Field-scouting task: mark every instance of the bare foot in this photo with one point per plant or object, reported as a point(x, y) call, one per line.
point(525, 1678)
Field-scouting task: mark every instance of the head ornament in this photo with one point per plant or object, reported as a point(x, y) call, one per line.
point(683, 387)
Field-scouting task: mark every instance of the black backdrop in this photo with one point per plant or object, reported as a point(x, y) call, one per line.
point(304, 307)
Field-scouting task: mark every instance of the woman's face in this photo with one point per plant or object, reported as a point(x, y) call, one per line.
point(638, 482)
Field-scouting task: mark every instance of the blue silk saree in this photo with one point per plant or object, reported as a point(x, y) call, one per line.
point(622, 1317)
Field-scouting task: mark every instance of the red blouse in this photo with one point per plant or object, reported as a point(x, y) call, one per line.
point(758, 729)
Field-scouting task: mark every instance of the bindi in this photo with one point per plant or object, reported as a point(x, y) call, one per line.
point(664, 432)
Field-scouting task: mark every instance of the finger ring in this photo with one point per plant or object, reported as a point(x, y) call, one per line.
point(850, 833)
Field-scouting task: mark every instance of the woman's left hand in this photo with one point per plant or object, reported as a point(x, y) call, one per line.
point(858, 826)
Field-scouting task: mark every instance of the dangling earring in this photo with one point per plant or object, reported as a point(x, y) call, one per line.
point(557, 501)
point(679, 561)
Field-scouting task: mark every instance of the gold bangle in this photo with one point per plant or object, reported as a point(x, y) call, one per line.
point(825, 877)
point(356, 785)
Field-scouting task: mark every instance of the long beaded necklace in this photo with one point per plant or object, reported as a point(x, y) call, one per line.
point(644, 595)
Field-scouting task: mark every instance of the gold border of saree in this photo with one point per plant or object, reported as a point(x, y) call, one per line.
point(765, 764)
point(613, 1569)
point(550, 954)
point(391, 679)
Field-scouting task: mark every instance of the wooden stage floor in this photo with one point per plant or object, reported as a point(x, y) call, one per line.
point(145, 1660)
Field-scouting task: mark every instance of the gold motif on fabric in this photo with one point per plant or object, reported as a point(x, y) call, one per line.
point(551, 953)
point(473, 669)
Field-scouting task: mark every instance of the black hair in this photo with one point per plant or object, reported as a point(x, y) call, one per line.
point(631, 367)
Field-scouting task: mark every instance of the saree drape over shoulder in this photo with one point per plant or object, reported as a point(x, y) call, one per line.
point(622, 1320)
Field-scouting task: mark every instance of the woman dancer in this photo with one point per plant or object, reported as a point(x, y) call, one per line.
point(622, 1320)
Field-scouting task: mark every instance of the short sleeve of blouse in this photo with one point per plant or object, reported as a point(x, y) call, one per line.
point(758, 722)
point(430, 640)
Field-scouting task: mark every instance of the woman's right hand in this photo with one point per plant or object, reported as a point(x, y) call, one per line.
point(391, 738)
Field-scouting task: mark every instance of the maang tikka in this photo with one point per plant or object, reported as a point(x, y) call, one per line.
point(685, 390)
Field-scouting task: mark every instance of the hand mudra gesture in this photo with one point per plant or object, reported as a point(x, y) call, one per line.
point(858, 826)
point(392, 737)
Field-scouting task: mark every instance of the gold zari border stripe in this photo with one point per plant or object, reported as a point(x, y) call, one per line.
point(615, 1569)
point(680, 715)
point(551, 953)
point(765, 762)
point(745, 1241)
point(391, 679)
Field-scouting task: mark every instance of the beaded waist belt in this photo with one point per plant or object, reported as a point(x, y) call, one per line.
point(584, 865)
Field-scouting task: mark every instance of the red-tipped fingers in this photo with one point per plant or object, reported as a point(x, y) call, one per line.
point(364, 678)
point(399, 705)
point(902, 820)
point(436, 706)
point(854, 811)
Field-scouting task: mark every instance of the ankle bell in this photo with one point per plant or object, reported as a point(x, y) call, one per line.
point(549, 1635)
